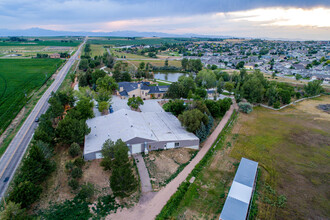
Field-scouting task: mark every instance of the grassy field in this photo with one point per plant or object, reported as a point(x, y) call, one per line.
point(97, 50)
point(18, 79)
point(128, 55)
point(121, 41)
point(176, 63)
point(292, 148)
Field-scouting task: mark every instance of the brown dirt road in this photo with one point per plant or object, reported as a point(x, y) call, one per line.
point(151, 208)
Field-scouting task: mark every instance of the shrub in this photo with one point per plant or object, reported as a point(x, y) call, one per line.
point(79, 162)
point(74, 184)
point(277, 104)
point(74, 150)
point(86, 192)
point(69, 166)
point(176, 107)
point(76, 173)
point(13, 211)
point(245, 107)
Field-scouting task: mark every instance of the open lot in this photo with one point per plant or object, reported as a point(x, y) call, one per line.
point(292, 148)
point(19, 78)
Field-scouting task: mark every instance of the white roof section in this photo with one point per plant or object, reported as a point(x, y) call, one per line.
point(126, 125)
point(240, 193)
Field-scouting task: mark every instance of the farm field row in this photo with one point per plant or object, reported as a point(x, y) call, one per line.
point(19, 78)
point(292, 148)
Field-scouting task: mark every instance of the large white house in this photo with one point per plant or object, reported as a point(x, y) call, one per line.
point(142, 132)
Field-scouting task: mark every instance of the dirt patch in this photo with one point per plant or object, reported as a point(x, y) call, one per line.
point(57, 188)
point(163, 164)
point(311, 107)
point(325, 108)
point(93, 173)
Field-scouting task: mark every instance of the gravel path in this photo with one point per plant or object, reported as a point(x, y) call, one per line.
point(151, 208)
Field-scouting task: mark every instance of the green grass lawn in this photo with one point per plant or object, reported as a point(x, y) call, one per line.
point(18, 79)
point(292, 148)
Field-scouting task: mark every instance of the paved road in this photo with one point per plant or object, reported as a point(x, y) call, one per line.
point(149, 209)
point(15, 151)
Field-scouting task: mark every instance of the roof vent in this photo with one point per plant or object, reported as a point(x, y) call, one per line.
point(131, 126)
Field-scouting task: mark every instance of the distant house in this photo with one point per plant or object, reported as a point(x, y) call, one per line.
point(238, 201)
point(249, 66)
point(55, 56)
point(141, 131)
point(141, 89)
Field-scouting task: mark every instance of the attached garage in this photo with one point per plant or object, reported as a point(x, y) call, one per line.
point(136, 148)
point(170, 145)
point(98, 155)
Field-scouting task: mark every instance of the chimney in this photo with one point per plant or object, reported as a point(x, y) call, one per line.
point(139, 85)
point(121, 89)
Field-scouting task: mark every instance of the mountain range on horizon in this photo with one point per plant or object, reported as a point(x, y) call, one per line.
point(34, 32)
point(40, 32)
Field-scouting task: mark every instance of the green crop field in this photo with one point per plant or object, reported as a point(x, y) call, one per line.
point(18, 79)
point(71, 43)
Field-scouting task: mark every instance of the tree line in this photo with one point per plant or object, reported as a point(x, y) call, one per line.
point(63, 123)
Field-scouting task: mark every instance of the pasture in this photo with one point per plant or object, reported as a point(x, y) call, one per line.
point(292, 148)
point(19, 78)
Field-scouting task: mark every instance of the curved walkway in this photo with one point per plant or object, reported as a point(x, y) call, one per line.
point(150, 209)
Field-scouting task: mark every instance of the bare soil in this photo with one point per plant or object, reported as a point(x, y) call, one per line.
point(162, 165)
point(57, 188)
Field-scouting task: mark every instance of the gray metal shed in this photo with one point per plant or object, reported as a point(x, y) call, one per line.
point(239, 197)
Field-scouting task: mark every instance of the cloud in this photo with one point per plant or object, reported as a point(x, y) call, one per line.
point(253, 18)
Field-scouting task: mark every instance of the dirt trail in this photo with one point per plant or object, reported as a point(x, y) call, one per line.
point(151, 208)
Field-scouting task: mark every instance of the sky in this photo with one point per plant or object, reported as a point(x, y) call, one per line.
point(294, 19)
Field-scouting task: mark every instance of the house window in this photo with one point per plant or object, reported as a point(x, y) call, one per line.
point(177, 144)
